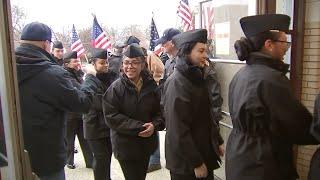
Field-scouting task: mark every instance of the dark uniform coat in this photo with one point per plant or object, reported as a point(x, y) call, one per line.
point(94, 124)
point(126, 111)
point(115, 63)
point(75, 124)
point(267, 120)
point(46, 94)
point(76, 81)
point(191, 137)
point(211, 80)
point(57, 60)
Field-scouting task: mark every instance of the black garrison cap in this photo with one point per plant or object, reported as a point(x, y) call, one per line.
point(253, 25)
point(99, 53)
point(199, 35)
point(70, 55)
point(131, 40)
point(58, 45)
point(133, 51)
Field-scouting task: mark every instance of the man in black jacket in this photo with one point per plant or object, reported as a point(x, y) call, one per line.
point(193, 142)
point(46, 95)
point(74, 120)
point(57, 52)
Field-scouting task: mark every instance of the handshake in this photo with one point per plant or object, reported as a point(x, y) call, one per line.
point(89, 69)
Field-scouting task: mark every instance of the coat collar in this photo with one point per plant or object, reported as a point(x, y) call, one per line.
point(265, 59)
point(76, 74)
point(146, 79)
point(191, 72)
point(32, 51)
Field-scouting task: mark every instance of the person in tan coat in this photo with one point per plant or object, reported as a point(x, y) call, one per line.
point(155, 65)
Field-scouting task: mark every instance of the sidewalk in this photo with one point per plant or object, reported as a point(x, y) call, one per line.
point(83, 173)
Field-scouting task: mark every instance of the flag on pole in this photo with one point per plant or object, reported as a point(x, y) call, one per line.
point(184, 12)
point(99, 37)
point(76, 44)
point(154, 35)
point(208, 20)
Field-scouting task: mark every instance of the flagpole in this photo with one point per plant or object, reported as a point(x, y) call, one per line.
point(86, 58)
point(176, 20)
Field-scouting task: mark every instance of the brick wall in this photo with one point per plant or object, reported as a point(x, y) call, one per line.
point(311, 76)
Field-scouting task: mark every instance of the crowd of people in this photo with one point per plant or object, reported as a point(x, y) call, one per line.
point(118, 103)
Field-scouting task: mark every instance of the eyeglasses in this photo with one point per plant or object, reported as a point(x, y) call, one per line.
point(288, 43)
point(132, 63)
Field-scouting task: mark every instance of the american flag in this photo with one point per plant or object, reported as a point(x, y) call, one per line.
point(185, 13)
point(99, 37)
point(208, 20)
point(154, 35)
point(76, 44)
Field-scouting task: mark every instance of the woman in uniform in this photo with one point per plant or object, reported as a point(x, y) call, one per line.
point(132, 111)
point(193, 143)
point(267, 118)
point(74, 120)
point(96, 131)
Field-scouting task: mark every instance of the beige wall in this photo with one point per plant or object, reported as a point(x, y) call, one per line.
point(311, 75)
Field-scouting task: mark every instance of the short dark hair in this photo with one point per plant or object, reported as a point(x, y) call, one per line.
point(186, 49)
point(245, 46)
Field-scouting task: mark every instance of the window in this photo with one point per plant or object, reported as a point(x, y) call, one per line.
point(286, 7)
point(221, 19)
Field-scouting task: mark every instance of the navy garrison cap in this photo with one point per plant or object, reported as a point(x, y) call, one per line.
point(198, 35)
point(133, 51)
point(36, 31)
point(253, 25)
point(168, 34)
point(131, 40)
point(99, 53)
point(58, 45)
point(70, 55)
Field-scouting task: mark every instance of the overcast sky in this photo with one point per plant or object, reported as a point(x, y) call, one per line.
point(61, 14)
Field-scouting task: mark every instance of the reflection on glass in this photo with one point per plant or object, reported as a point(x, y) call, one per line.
point(286, 7)
point(221, 19)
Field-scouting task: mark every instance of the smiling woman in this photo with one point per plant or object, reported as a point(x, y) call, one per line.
point(133, 63)
point(132, 111)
